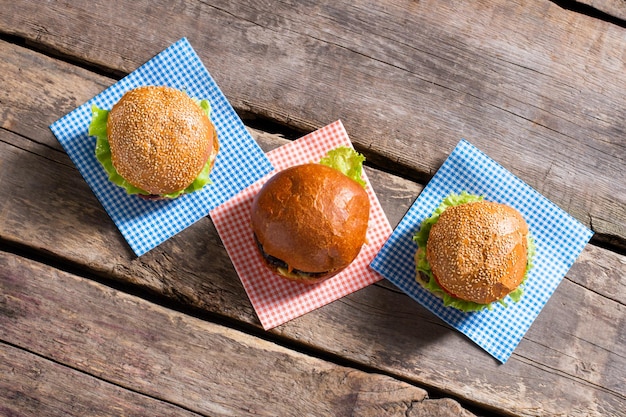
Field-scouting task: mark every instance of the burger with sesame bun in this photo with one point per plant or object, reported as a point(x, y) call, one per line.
point(156, 142)
point(472, 253)
point(310, 221)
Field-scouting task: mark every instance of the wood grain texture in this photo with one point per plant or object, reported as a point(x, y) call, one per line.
point(534, 84)
point(113, 348)
point(537, 87)
point(575, 349)
point(35, 386)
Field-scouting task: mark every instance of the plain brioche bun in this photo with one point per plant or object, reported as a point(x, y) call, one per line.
point(160, 139)
point(478, 251)
point(310, 221)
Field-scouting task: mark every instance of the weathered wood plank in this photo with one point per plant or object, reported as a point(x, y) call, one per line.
point(53, 212)
point(379, 326)
point(152, 351)
point(34, 386)
point(538, 87)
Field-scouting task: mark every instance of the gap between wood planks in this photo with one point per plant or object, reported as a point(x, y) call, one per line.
point(54, 261)
point(590, 11)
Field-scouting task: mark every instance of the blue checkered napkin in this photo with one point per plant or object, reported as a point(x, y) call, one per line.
point(240, 162)
point(559, 239)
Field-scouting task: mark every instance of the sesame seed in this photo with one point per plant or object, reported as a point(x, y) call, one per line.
point(160, 138)
point(475, 250)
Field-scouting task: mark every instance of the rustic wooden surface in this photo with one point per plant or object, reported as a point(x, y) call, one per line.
point(547, 101)
point(161, 362)
point(35, 386)
point(536, 86)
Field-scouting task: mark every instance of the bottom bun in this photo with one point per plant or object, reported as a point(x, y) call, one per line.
point(297, 276)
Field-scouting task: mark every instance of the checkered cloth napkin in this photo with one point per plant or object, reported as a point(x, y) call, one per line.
point(275, 299)
point(559, 239)
point(240, 161)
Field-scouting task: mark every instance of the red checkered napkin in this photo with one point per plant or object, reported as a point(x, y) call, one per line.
point(275, 299)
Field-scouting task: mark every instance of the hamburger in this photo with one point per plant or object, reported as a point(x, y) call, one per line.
point(310, 221)
point(156, 142)
point(472, 252)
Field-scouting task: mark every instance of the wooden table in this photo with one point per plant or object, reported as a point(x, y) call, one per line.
point(86, 328)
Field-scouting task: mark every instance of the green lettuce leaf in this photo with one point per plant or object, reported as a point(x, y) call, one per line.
point(204, 105)
point(98, 128)
point(423, 269)
point(346, 160)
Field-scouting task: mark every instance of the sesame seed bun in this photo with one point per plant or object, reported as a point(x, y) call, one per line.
point(160, 139)
point(310, 221)
point(478, 251)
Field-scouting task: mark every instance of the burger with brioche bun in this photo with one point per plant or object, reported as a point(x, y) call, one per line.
point(472, 252)
point(310, 221)
point(156, 142)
